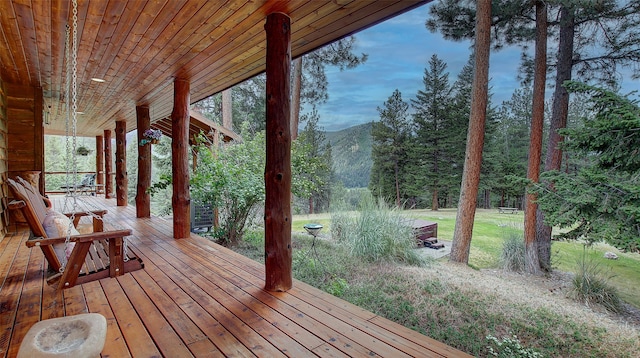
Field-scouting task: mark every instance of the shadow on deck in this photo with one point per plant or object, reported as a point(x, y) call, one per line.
point(195, 298)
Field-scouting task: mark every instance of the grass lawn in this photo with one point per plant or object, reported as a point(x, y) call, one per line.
point(457, 316)
point(491, 228)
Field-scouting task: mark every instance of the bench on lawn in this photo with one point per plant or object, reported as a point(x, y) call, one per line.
point(503, 210)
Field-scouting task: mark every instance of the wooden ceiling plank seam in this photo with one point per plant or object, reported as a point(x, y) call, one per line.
point(19, 73)
point(304, 25)
point(7, 62)
point(258, 71)
point(129, 43)
point(42, 10)
point(97, 34)
point(257, 38)
point(139, 33)
point(24, 16)
point(160, 22)
point(169, 62)
point(59, 9)
point(359, 20)
point(359, 6)
point(124, 76)
point(143, 69)
point(248, 15)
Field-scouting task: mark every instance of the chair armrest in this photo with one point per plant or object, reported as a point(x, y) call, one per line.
point(16, 204)
point(99, 213)
point(79, 238)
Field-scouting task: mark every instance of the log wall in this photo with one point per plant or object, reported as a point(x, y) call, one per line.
point(25, 131)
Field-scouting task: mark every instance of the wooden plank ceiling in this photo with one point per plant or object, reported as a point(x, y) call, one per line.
point(140, 46)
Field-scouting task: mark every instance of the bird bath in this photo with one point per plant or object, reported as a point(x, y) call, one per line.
point(313, 229)
point(81, 335)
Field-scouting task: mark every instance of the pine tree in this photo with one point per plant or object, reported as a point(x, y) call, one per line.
point(389, 150)
point(432, 122)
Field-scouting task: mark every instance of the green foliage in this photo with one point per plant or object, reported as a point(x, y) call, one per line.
point(233, 182)
point(376, 233)
point(351, 155)
point(59, 159)
point(590, 285)
point(600, 200)
point(510, 347)
point(513, 253)
point(390, 149)
point(435, 141)
point(311, 166)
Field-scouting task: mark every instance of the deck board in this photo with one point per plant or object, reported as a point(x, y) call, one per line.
point(195, 298)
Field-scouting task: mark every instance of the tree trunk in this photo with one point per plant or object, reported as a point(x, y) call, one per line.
point(532, 262)
point(295, 97)
point(560, 110)
point(311, 205)
point(181, 199)
point(277, 174)
point(143, 199)
point(227, 109)
point(475, 138)
point(108, 165)
point(434, 199)
point(121, 163)
point(397, 185)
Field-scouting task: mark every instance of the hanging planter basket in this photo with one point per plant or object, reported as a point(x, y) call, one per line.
point(151, 136)
point(83, 151)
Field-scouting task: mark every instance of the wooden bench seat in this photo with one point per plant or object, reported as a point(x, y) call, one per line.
point(94, 256)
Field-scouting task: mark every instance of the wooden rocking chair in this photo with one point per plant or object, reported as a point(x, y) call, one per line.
point(94, 256)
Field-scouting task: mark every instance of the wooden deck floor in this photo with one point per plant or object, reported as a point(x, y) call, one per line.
point(195, 298)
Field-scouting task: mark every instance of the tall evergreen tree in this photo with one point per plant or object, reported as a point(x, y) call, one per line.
point(465, 215)
point(389, 150)
point(433, 129)
point(595, 39)
point(312, 164)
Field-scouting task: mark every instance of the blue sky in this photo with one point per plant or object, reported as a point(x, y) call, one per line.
point(399, 50)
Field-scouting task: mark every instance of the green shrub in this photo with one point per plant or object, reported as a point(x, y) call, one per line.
point(376, 233)
point(590, 285)
point(513, 253)
point(510, 347)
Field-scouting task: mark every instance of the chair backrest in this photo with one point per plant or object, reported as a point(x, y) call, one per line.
point(34, 211)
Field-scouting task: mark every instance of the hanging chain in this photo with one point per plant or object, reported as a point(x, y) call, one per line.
point(67, 91)
point(74, 82)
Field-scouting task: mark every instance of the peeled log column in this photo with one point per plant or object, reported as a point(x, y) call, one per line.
point(108, 160)
point(100, 161)
point(143, 199)
point(180, 159)
point(121, 163)
point(277, 174)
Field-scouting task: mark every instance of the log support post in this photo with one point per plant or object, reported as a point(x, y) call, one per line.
point(108, 165)
point(277, 175)
point(99, 163)
point(121, 163)
point(143, 199)
point(181, 199)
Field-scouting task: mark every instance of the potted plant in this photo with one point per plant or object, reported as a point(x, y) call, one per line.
point(151, 136)
point(83, 151)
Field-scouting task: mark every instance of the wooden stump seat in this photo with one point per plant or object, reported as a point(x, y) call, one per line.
point(96, 255)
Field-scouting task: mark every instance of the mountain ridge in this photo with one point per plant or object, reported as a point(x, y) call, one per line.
point(351, 155)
